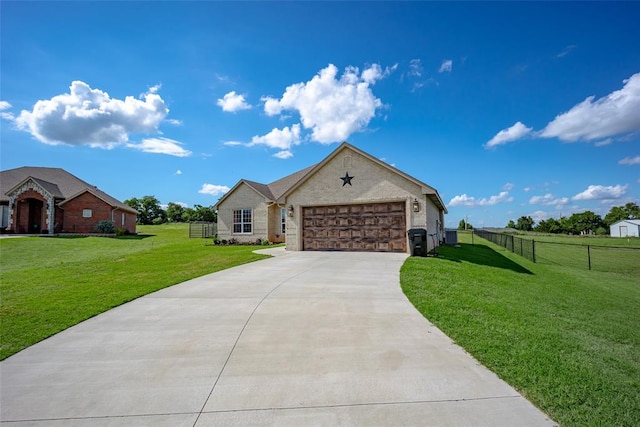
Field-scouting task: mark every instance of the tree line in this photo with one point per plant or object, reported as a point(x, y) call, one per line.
point(579, 223)
point(150, 211)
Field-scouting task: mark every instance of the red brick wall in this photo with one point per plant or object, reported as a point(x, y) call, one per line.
point(74, 222)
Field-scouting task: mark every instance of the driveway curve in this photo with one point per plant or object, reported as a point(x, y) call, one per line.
point(303, 338)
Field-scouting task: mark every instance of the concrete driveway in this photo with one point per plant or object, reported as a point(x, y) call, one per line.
point(299, 339)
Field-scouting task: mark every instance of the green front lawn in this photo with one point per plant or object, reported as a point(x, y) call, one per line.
point(48, 284)
point(568, 339)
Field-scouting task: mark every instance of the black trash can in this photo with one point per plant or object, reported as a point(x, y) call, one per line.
point(418, 241)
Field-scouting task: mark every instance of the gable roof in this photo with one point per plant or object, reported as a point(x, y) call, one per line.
point(277, 191)
point(273, 191)
point(58, 182)
point(426, 189)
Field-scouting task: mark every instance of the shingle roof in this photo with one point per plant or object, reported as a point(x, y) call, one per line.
point(60, 183)
point(274, 190)
point(281, 186)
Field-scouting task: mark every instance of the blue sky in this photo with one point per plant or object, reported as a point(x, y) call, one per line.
point(506, 108)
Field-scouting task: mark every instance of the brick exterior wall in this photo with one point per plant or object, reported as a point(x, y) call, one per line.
point(74, 222)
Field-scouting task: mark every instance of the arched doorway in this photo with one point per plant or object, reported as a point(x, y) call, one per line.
point(31, 218)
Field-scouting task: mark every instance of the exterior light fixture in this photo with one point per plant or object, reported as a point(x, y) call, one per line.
point(416, 205)
point(290, 210)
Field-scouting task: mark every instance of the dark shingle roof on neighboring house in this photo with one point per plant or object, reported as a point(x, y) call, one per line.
point(58, 182)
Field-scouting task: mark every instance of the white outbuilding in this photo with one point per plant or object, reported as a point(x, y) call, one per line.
point(626, 228)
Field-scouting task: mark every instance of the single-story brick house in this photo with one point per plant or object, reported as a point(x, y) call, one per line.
point(39, 200)
point(349, 201)
point(625, 228)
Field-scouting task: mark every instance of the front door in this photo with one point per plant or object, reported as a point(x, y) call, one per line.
point(35, 216)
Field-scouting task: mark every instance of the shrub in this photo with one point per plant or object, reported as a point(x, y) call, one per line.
point(105, 227)
point(122, 232)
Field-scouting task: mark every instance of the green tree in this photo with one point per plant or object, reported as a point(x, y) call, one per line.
point(616, 213)
point(463, 225)
point(511, 224)
point(586, 222)
point(619, 213)
point(633, 211)
point(148, 208)
point(175, 212)
point(525, 223)
point(205, 213)
point(550, 225)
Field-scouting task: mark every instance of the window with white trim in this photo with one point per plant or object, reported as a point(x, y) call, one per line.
point(87, 213)
point(283, 220)
point(123, 218)
point(242, 221)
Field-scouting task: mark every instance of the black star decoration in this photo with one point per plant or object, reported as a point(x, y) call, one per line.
point(346, 179)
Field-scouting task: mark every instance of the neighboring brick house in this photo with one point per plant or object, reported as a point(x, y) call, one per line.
point(349, 201)
point(38, 200)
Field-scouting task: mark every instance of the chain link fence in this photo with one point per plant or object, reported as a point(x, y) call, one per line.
point(524, 247)
point(625, 260)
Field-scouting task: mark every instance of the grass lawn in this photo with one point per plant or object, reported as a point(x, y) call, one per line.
point(48, 284)
point(568, 339)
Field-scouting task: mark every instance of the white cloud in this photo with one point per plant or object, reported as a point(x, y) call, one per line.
point(630, 161)
point(213, 190)
point(283, 139)
point(601, 192)
point(515, 132)
point(178, 172)
point(333, 108)
point(603, 142)
point(446, 66)
point(233, 102)
point(4, 105)
point(174, 122)
point(415, 68)
point(464, 200)
point(161, 146)
point(87, 116)
point(508, 186)
point(566, 51)
point(232, 143)
point(494, 200)
point(614, 114)
point(548, 200)
point(538, 216)
point(375, 72)
point(284, 154)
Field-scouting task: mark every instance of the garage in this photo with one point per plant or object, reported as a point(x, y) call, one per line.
point(371, 227)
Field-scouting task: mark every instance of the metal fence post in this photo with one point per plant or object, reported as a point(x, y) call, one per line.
point(589, 255)
point(533, 249)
